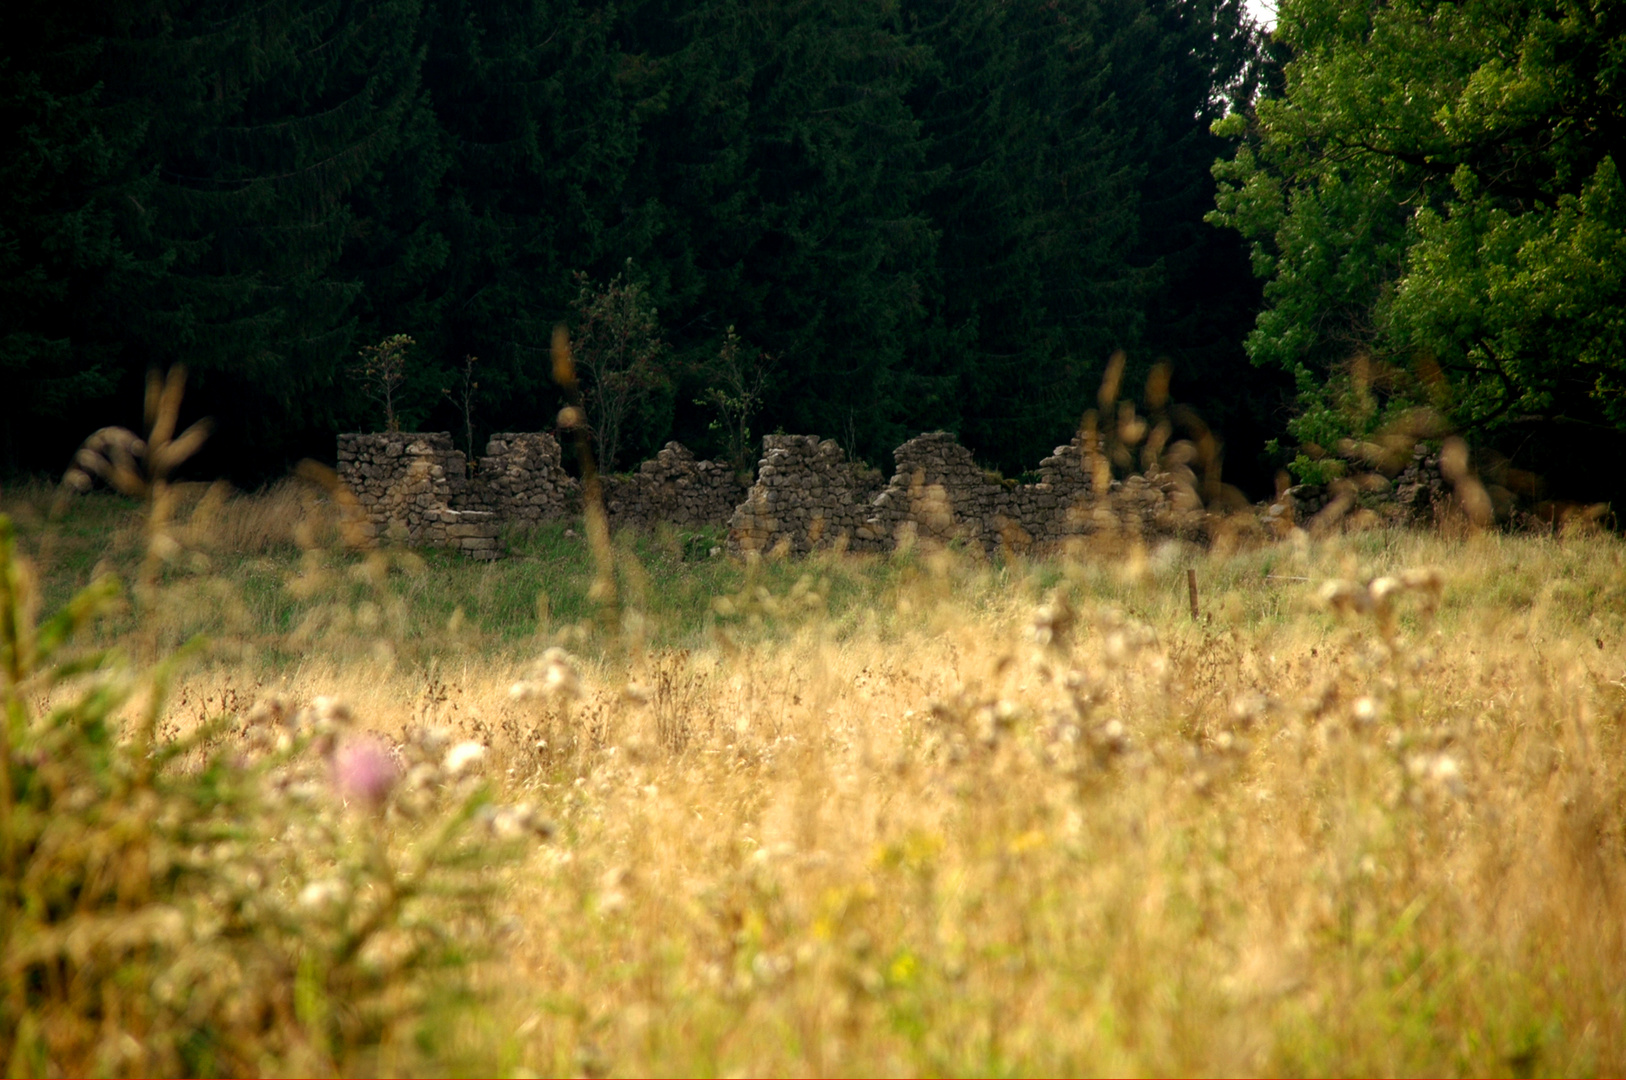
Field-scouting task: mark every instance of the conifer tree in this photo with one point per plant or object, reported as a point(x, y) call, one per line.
point(788, 169)
point(70, 184)
point(263, 120)
point(1037, 208)
point(536, 107)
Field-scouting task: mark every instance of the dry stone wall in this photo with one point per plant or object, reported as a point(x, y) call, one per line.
point(522, 479)
point(807, 495)
point(416, 491)
point(675, 489)
point(1421, 490)
point(1418, 495)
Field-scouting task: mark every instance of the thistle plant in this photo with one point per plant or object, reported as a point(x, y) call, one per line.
point(275, 889)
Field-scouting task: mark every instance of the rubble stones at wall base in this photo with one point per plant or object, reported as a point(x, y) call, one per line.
point(1417, 495)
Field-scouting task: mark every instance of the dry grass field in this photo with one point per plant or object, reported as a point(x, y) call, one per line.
point(904, 815)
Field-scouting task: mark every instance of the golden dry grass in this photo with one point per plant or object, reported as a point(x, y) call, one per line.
point(914, 836)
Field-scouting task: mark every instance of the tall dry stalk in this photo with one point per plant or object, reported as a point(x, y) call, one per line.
point(573, 418)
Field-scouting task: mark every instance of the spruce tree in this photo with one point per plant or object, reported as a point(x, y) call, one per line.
point(536, 106)
point(1200, 60)
point(264, 118)
point(788, 169)
point(70, 184)
point(1037, 209)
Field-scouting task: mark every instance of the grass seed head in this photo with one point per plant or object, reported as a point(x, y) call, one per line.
point(464, 758)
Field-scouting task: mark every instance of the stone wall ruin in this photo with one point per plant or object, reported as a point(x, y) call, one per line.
point(673, 489)
point(806, 496)
point(522, 480)
point(417, 489)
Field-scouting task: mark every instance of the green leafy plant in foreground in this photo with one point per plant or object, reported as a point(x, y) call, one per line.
point(234, 900)
point(280, 891)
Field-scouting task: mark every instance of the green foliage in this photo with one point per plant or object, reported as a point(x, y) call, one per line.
point(737, 379)
point(69, 179)
point(1524, 309)
point(202, 902)
point(269, 891)
point(532, 113)
point(1070, 139)
point(782, 171)
point(618, 348)
point(1437, 191)
point(382, 370)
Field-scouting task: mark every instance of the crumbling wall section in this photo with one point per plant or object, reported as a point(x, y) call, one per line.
point(673, 488)
point(521, 478)
point(415, 490)
point(1418, 495)
point(937, 494)
point(807, 495)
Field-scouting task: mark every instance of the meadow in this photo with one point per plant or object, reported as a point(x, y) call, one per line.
point(925, 813)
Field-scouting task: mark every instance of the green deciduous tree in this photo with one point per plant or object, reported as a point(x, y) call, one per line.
point(1437, 191)
point(736, 381)
point(618, 350)
point(381, 372)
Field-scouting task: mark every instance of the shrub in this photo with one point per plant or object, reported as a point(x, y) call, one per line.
point(232, 900)
point(277, 891)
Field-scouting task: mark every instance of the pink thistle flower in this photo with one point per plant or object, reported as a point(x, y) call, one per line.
point(364, 771)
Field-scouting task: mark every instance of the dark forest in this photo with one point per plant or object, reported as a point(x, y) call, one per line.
point(933, 214)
